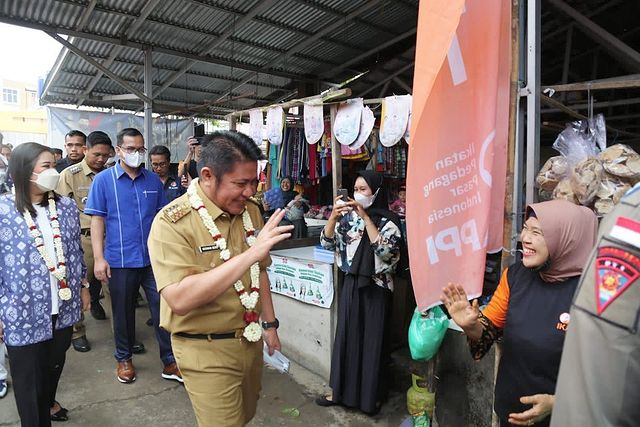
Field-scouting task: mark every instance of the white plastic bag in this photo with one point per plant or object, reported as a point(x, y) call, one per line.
point(277, 360)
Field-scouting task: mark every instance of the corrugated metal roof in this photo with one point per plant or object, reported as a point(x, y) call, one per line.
point(181, 31)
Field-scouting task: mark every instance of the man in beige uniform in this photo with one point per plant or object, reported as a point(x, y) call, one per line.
point(221, 368)
point(599, 379)
point(75, 182)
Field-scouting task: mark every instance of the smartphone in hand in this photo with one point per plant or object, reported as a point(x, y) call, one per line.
point(343, 194)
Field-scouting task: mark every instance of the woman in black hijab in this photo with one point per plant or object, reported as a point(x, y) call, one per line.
point(367, 239)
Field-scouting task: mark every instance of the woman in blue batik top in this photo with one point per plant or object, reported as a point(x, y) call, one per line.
point(42, 273)
point(368, 241)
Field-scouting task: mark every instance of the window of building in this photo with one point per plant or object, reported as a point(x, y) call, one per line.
point(10, 96)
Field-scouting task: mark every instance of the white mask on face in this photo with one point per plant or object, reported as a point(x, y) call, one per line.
point(365, 201)
point(133, 159)
point(47, 180)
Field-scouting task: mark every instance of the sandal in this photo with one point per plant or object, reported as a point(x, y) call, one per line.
point(324, 401)
point(60, 415)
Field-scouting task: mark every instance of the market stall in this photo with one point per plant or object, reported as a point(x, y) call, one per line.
point(320, 143)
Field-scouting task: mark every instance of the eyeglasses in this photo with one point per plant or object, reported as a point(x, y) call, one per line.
point(131, 150)
point(159, 165)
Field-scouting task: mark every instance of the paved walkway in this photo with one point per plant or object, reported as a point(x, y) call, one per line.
point(94, 397)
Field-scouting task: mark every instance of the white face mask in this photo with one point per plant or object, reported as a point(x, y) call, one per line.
point(365, 201)
point(47, 180)
point(133, 159)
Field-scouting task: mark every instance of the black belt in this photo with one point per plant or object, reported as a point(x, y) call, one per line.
point(209, 337)
point(86, 232)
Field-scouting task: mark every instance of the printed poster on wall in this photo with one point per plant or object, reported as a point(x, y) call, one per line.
point(306, 281)
point(457, 157)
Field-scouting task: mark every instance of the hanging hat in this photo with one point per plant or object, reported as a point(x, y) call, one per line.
point(256, 123)
point(395, 116)
point(275, 125)
point(313, 122)
point(347, 124)
point(366, 126)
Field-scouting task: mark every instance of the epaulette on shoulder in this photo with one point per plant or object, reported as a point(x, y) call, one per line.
point(254, 201)
point(75, 169)
point(174, 212)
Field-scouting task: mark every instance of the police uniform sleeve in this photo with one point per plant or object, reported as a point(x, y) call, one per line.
point(599, 376)
point(64, 187)
point(172, 256)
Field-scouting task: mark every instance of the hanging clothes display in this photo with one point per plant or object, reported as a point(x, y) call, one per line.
point(393, 160)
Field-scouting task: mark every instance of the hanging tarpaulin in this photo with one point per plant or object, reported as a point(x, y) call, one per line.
point(395, 116)
point(275, 125)
point(256, 123)
point(459, 129)
point(313, 122)
point(347, 124)
point(366, 126)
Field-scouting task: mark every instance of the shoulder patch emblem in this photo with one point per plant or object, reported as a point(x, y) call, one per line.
point(616, 269)
point(75, 169)
point(175, 212)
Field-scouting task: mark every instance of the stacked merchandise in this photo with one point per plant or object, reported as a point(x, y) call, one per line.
point(587, 173)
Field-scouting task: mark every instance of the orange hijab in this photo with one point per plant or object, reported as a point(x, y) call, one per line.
point(570, 233)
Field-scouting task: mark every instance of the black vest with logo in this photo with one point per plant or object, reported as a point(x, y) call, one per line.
point(534, 332)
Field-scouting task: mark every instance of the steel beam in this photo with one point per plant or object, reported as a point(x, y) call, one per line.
point(148, 103)
point(82, 21)
point(231, 28)
point(137, 45)
point(334, 70)
point(402, 84)
point(624, 53)
point(99, 66)
point(383, 81)
point(146, 11)
point(247, 77)
point(533, 98)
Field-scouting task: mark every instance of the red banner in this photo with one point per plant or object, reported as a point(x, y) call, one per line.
point(457, 154)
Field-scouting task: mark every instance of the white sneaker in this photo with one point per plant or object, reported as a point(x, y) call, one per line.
point(3, 388)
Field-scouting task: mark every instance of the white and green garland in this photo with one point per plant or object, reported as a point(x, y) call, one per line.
point(249, 300)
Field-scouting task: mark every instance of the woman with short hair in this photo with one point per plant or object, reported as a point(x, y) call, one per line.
point(43, 283)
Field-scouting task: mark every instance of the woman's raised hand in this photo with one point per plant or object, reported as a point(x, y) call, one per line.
point(461, 311)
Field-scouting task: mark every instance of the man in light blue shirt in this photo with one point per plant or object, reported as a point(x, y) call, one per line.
point(122, 203)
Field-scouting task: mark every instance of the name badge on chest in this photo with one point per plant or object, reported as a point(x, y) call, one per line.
point(208, 248)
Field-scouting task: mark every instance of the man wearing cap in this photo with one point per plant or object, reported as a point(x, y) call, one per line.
point(211, 274)
point(599, 380)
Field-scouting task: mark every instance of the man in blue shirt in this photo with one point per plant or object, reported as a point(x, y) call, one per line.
point(160, 157)
point(122, 203)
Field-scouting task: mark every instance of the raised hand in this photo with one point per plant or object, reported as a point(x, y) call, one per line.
point(461, 311)
point(271, 234)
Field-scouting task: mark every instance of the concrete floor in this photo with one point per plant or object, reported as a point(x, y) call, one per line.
point(89, 390)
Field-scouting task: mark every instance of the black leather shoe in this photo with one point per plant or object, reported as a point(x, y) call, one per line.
point(97, 311)
point(138, 348)
point(81, 344)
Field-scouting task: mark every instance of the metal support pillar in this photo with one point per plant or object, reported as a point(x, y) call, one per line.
point(533, 98)
point(148, 103)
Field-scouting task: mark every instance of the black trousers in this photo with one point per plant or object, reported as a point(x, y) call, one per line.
point(35, 373)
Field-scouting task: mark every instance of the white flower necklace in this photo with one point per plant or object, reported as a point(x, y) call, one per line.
point(252, 332)
point(59, 271)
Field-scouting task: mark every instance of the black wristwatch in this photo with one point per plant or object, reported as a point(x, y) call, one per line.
point(268, 325)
